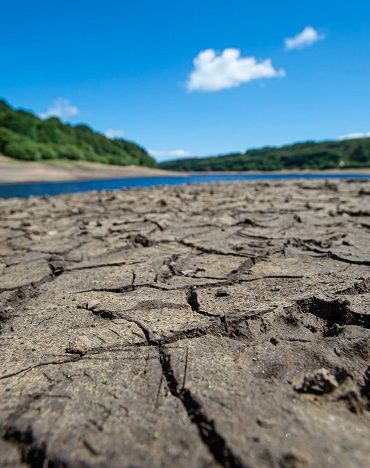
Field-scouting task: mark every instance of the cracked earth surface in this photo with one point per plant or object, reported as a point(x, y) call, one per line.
point(203, 326)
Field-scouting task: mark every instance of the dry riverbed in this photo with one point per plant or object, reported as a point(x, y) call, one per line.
point(193, 326)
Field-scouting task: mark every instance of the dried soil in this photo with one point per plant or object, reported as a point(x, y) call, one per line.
point(219, 325)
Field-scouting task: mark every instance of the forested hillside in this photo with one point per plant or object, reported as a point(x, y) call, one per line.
point(343, 154)
point(25, 136)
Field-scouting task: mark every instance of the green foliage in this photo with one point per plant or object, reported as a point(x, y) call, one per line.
point(48, 151)
point(25, 136)
point(6, 136)
point(23, 149)
point(309, 155)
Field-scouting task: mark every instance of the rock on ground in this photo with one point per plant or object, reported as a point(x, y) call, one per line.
point(193, 326)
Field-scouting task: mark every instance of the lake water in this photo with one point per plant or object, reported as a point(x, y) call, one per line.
point(56, 188)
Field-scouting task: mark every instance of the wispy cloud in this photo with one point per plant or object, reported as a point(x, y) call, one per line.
point(61, 108)
point(171, 154)
point(353, 136)
point(112, 134)
point(305, 38)
point(214, 72)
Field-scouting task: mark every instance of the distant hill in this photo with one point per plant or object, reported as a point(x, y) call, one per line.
point(25, 136)
point(343, 154)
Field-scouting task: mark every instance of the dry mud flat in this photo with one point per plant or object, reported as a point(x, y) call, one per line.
point(191, 326)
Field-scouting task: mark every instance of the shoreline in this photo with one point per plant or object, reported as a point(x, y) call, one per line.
point(14, 171)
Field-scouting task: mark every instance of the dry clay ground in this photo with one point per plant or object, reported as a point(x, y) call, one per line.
point(194, 326)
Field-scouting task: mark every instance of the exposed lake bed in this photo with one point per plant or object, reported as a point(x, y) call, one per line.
point(197, 325)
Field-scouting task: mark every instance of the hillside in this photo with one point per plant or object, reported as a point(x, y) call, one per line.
point(25, 136)
point(343, 154)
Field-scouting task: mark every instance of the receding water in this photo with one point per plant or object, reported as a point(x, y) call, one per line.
point(56, 188)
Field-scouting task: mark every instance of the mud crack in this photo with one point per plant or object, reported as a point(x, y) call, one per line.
point(213, 440)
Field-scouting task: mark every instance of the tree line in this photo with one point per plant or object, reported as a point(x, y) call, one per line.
point(25, 136)
point(345, 154)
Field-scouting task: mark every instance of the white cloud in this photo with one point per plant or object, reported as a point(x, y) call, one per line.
point(213, 72)
point(353, 136)
point(171, 154)
point(112, 134)
point(304, 39)
point(61, 108)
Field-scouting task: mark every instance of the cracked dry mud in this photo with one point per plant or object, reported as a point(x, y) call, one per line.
point(191, 326)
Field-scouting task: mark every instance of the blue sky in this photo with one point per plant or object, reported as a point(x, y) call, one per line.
point(127, 68)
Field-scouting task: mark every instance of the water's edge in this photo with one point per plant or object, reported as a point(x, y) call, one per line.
point(24, 189)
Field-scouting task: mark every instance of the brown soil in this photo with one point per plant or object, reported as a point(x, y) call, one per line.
point(12, 171)
point(193, 326)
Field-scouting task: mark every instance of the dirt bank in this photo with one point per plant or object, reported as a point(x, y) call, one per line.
point(13, 171)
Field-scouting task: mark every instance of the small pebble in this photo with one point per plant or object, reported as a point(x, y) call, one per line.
point(80, 345)
point(319, 382)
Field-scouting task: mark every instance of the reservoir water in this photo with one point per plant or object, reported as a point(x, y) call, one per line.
point(24, 190)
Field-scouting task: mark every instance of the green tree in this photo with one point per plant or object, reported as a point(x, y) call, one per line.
point(25, 136)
